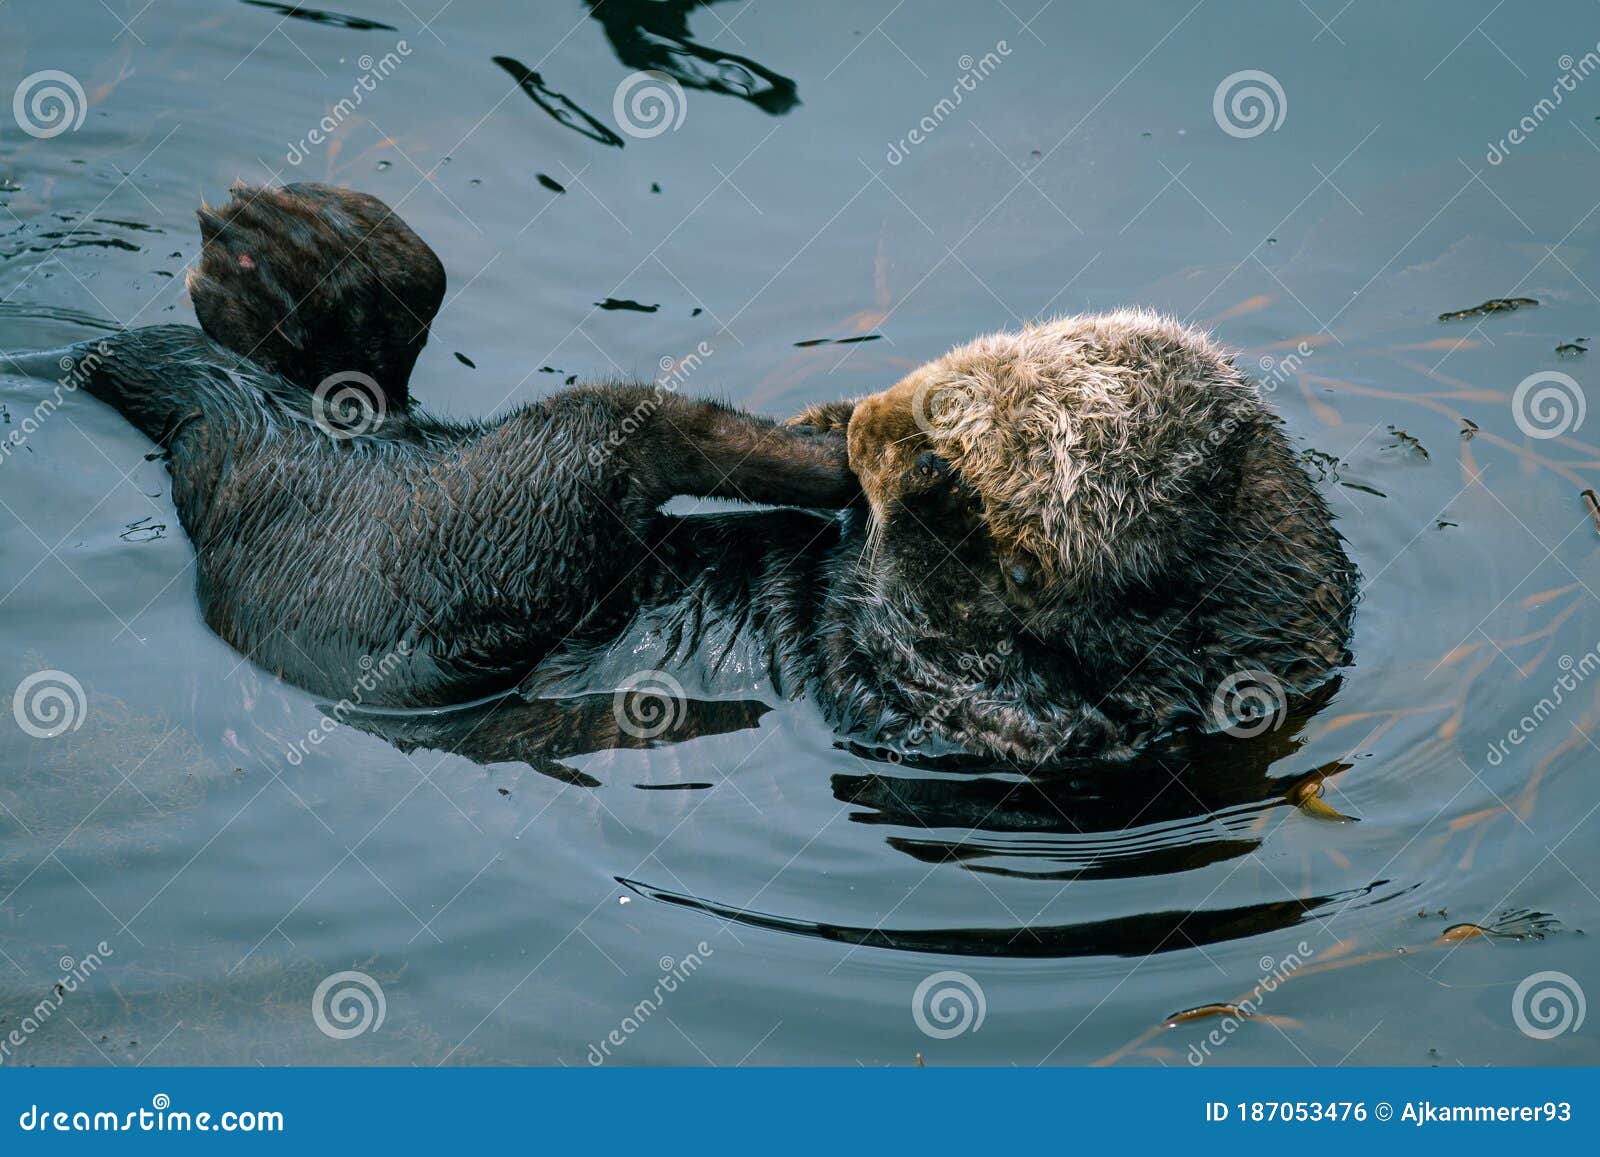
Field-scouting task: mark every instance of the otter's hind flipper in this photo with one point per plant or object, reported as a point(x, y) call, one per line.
point(309, 281)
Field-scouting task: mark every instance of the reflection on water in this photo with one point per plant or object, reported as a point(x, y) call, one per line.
point(513, 873)
point(654, 34)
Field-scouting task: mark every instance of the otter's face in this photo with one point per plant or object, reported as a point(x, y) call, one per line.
point(928, 521)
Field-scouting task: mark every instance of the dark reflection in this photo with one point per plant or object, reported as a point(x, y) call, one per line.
point(558, 105)
point(543, 732)
point(1138, 935)
point(1197, 801)
point(654, 34)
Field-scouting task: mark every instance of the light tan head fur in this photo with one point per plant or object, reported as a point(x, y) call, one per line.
point(1091, 440)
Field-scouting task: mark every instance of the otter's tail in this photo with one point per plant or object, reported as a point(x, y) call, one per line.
point(152, 376)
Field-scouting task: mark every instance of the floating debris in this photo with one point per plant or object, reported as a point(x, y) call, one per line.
point(146, 529)
point(1374, 491)
point(1594, 507)
point(625, 303)
point(316, 16)
point(1325, 464)
point(1572, 349)
point(1307, 796)
point(696, 311)
point(1493, 305)
point(571, 379)
point(551, 183)
point(1409, 441)
point(1201, 1012)
point(1514, 924)
point(465, 360)
point(837, 340)
point(654, 187)
point(1440, 524)
point(1468, 429)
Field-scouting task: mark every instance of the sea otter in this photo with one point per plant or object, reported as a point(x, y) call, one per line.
point(1076, 541)
point(335, 528)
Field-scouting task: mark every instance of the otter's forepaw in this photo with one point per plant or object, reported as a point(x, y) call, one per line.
point(825, 417)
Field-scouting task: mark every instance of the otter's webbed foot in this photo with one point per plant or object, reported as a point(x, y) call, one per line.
point(311, 281)
point(824, 417)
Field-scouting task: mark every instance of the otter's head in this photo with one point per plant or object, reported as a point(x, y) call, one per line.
point(1090, 456)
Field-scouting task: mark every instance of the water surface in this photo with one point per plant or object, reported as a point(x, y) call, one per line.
point(820, 182)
